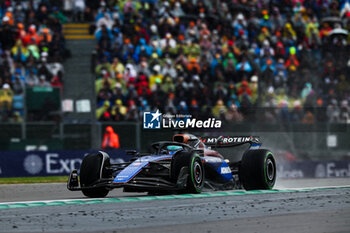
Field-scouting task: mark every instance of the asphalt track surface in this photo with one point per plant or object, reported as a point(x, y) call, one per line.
point(296, 206)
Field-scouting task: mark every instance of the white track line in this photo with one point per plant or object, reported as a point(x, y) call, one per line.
point(59, 200)
point(93, 199)
point(320, 187)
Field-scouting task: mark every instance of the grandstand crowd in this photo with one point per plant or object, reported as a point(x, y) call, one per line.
point(32, 48)
point(238, 60)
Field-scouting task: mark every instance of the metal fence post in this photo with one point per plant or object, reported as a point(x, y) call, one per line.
point(23, 131)
point(61, 131)
point(96, 135)
point(138, 136)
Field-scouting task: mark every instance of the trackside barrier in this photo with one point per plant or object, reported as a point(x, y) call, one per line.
point(313, 169)
point(48, 163)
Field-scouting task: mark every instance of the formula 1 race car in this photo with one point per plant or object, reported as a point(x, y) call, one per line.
point(185, 165)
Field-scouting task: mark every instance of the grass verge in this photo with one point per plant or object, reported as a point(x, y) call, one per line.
point(31, 180)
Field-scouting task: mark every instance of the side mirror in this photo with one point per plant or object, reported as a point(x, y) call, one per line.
point(218, 140)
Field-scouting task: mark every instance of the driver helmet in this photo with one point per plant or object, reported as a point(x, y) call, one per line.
point(173, 149)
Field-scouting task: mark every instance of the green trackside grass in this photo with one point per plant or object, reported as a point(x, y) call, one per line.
point(30, 180)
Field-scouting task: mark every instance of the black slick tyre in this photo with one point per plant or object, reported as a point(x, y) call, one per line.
point(257, 170)
point(193, 162)
point(91, 170)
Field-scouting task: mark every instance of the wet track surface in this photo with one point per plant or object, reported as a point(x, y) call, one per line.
point(34, 192)
point(318, 210)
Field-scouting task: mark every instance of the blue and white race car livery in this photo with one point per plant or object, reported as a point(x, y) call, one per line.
point(185, 164)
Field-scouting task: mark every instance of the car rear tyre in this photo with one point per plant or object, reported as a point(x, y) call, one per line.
point(258, 170)
point(91, 170)
point(193, 162)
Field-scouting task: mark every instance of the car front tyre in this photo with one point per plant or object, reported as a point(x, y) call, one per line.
point(195, 179)
point(90, 172)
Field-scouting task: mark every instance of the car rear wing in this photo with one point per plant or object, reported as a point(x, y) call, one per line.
point(228, 141)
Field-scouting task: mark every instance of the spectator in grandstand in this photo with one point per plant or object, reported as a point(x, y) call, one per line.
point(18, 85)
point(308, 118)
point(32, 37)
point(333, 111)
point(56, 81)
point(232, 115)
point(102, 110)
point(57, 14)
point(78, 10)
point(16, 118)
point(117, 67)
point(19, 52)
point(31, 79)
point(6, 98)
point(43, 82)
point(119, 111)
point(219, 108)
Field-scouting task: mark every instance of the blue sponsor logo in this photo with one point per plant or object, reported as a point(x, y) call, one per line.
point(151, 120)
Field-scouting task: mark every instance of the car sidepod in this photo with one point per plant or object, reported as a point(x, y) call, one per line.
point(217, 170)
